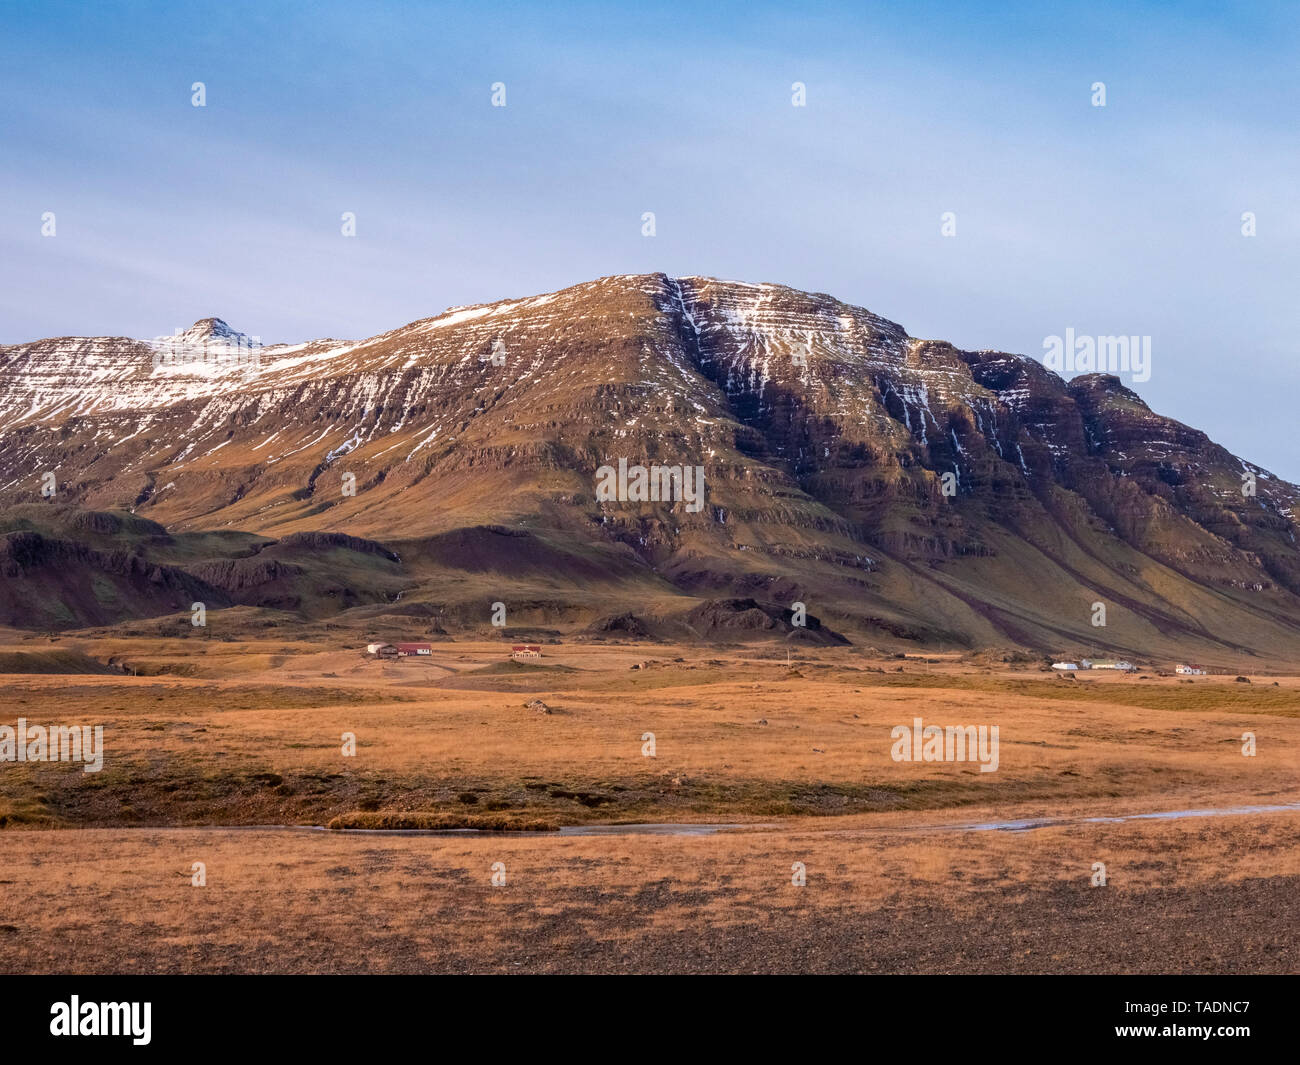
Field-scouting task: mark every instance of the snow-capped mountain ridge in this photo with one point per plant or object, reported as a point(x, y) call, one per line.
point(827, 432)
point(207, 330)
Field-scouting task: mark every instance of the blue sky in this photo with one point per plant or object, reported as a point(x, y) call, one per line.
point(1117, 220)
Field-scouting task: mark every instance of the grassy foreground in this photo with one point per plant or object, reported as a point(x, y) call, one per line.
point(96, 869)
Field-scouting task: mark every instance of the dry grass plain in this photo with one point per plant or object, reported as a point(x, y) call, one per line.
point(95, 868)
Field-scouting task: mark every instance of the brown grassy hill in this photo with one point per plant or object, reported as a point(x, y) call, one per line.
point(466, 446)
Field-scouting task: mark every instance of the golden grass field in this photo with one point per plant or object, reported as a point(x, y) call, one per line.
point(217, 737)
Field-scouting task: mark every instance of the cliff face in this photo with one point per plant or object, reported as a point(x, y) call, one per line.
point(826, 435)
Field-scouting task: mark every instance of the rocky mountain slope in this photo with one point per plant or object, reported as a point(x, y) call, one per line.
point(467, 447)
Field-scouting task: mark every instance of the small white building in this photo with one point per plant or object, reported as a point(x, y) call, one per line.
point(1066, 667)
point(1191, 671)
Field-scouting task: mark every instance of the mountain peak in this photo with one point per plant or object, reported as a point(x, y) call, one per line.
point(207, 329)
point(1093, 390)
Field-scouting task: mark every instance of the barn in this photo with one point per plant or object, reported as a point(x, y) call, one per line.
point(526, 650)
point(411, 650)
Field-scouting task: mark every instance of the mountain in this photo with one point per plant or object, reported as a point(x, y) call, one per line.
point(211, 330)
point(469, 447)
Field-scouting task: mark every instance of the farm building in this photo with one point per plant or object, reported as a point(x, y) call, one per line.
point(381, 650)
point(526, 650)
point(1065, 667)
point(1191, 671)
point(410, 650)
point(1124, 667)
